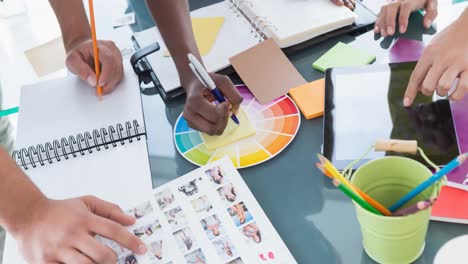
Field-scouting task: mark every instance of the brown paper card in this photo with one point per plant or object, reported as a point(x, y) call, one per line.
point(266, 71)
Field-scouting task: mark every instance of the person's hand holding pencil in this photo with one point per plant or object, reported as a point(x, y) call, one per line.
point(77, 40)
point(80, 61)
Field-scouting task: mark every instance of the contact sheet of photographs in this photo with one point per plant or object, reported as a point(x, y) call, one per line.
point(206, 216)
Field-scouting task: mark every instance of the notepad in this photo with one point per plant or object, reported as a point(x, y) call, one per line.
point(310, 98)
point(206, 30)
point(266, 71)
point(70, 143)
point(232, 133)
point(342, 55)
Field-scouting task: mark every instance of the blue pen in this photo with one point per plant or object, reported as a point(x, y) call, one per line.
point(423, 186)
point(202, 75)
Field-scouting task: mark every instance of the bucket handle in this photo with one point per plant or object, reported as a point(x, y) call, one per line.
point(398, 146)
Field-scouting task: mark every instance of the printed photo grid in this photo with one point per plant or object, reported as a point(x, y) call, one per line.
point(206, 216)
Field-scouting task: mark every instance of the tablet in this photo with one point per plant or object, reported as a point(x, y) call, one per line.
point(365, 103)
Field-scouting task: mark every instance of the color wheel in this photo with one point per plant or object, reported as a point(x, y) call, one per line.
point(276, 125)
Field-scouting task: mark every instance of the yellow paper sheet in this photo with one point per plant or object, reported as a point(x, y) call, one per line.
point(206, 31)
point(232, 133)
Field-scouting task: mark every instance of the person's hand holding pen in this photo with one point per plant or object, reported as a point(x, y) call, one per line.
point(174, 24)
point(200, 112)
point(216, 93)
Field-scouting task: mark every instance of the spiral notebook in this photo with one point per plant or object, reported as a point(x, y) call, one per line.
point(70, 143)
point(248, 23)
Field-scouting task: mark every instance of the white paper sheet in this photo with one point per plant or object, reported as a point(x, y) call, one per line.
point(189, 219)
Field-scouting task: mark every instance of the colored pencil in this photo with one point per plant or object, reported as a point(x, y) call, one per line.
point(336, 174)
point(323, 170)
point(97, 67)
point(427, 183)
point(364, 195)
point(419, 206)
point(355, 197)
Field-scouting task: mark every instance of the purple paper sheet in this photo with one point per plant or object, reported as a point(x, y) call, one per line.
point(459, 177)
point(405, 50)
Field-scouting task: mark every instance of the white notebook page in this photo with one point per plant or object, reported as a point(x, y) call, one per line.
point(234, 37)
point(298, 20)
point(68, 106)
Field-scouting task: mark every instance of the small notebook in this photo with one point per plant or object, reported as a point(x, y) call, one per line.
point(310, 98)
point(342, 55)
point(246, 24)
point(266, 71)
point(72, 144)
point(206, 216)
point(451, 206)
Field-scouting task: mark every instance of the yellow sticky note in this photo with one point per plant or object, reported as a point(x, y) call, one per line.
point(232, 133)
point(206, 31)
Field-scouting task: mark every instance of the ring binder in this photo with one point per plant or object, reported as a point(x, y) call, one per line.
point(268, 25)
point(255, 22)
point(81, 143)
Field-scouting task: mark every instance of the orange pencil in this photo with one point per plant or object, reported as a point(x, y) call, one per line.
point(97, 67)
point(364, 195)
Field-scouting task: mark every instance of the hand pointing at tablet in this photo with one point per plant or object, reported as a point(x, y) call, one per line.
point(443, 60)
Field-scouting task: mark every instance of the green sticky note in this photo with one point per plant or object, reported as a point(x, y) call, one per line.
point(342, 55)
point(457, 1)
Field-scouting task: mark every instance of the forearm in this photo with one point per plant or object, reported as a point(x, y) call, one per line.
point(73, 22)
point(18, 195)
point(174, 23)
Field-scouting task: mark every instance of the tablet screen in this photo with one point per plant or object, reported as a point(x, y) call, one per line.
point(365, 103)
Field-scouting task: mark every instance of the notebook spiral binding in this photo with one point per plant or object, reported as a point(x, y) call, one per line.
point(73, 146)
point(258, 24)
